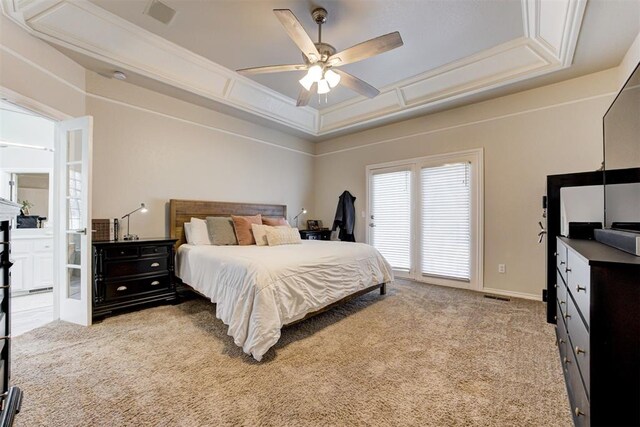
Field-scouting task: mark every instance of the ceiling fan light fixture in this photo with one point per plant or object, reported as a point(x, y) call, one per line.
point(306, 82)
point(323, 87)
point(332, 78)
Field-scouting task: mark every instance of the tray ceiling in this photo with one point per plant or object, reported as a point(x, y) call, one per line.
point(454, 50)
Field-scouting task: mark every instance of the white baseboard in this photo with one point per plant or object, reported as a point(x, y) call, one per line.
point(512, 294)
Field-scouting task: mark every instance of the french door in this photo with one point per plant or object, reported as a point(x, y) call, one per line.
point(425, 217)
point(73, 186)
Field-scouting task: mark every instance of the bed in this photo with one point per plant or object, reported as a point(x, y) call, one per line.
point(260, 289)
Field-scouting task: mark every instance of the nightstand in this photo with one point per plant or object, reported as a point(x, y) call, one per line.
point(130, 273)
point(324, 234)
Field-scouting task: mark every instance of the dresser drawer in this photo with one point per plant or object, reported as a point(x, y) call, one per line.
point(577, 396)
point(578, 283)
point(562, 339)
point(121, 252)
point(561, 293)
point(137, 266)
point(561, 259)
point(579, 340)
point(116, 290)
point(153, 250)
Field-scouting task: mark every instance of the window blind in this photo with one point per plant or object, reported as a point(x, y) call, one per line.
point(391, 211)
point(446, 221)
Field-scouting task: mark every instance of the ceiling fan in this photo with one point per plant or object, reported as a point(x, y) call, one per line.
point(320, 58)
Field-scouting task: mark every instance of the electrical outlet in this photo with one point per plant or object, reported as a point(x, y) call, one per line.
point(502, 268)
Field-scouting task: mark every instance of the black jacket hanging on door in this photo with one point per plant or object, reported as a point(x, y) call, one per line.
point(345, 217)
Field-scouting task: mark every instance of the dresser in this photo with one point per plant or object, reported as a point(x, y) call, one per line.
point(132, 273)
point(11, 397)
point(324, 234)
point(598, 331)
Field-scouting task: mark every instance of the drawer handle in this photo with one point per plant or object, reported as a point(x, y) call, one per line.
point(155, 283)
point(579, 350)
point(561, 341)
point(555, 254)
point(580, 288)
point(567, 360)
point(562, 263)
point(567, 316)
point(121, 252)
point(121, 288)
point(555, 286)
point(562, 302)
point(578, 412)
point(155, 264)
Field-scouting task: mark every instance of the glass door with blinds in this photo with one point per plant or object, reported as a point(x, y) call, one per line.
point(425, 217)
point(390, 215)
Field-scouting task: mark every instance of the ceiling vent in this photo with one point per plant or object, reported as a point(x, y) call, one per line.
point(160, 12)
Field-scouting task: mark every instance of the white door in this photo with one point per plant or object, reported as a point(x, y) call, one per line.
point(390, 216)
point(73, 232)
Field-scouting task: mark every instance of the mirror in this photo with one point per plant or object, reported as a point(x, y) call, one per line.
point(622, 151)
point(31, 191)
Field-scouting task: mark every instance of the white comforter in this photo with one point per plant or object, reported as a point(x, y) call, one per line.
point(258, 289)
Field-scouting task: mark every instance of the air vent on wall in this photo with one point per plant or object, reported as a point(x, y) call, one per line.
point(160, 12)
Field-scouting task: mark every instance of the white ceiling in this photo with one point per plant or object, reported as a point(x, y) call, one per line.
point(461, 51)
point(241, 34)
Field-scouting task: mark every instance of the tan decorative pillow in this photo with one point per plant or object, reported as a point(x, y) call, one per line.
point(221, 230)
point(242, 225)
point(274, 221)
point(283, 236)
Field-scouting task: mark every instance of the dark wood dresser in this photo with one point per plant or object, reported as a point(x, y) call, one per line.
point(598, 331)
point(131, 273)
point(11, 397)
point(324, 234)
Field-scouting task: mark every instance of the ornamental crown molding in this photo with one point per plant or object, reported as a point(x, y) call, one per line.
point(551, 29)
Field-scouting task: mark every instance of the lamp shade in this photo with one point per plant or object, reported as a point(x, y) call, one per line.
point(315, 72)
point(306, 82)
point(323, 87)
point(332, 78)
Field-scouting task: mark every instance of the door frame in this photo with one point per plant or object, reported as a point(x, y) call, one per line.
point(476, 156)
point(56, 115)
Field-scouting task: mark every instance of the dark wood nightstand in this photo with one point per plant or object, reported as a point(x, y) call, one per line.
point(324, 234)
point(129, 273)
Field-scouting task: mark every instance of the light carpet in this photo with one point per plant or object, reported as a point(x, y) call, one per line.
point(420, 355)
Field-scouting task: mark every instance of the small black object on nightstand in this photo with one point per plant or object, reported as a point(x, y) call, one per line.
point(132, 273)
point(323, 234)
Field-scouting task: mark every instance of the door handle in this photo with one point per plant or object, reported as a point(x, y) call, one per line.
point(78, 231)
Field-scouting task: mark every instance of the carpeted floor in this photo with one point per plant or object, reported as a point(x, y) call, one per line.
point(421, 355)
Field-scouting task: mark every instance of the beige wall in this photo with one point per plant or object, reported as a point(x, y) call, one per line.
point(152, 148)
point(525, 137)
point(30, 69)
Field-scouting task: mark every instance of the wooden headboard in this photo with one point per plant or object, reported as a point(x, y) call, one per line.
point(181, 211)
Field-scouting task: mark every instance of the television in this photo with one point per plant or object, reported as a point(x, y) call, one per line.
point(621, 127)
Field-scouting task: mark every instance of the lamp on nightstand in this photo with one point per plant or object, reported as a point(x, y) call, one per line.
point(130, 236)
point(295, 218)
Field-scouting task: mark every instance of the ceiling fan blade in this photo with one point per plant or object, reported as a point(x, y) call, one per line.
point(366, 49)
point(357, 85)
point(305, 95)
point(272, 69)
point(299, 36)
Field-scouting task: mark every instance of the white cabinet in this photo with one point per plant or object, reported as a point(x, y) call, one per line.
point(32, 257)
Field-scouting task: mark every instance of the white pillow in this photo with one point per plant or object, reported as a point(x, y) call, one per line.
point(198, 232)
point(187, 232)
point(283, 236)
